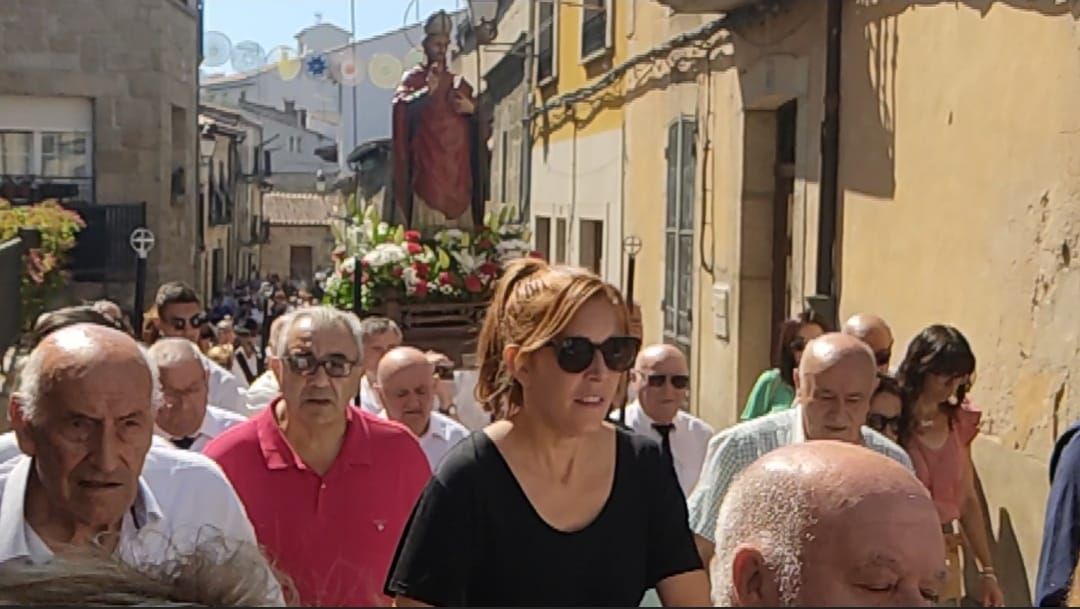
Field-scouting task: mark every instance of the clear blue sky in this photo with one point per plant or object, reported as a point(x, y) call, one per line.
point(274, 22)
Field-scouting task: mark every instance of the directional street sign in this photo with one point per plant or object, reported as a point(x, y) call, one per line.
point(142, 241)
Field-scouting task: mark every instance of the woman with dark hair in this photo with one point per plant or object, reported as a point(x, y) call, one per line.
point(775, 389)
point(889, 414)
point(935, 377)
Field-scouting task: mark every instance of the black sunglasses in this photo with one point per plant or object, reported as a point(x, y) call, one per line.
point(798, 343)
point(576, 353)
point(883, 357)
point(678, 381)
point(306, 364)
point(179, 323)
point(879, 422)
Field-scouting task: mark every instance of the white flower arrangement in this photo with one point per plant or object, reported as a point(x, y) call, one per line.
point(384, 254)
point(468, 261)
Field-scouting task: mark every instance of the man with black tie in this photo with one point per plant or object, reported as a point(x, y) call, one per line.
point(185, 418)
point(661, 382)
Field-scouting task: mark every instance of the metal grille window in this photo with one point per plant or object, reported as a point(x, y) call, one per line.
point(547, 42)
point(679, 232)
point(36, 165)
point(594, 27)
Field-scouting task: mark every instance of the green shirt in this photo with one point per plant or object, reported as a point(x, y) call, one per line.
point(770, 394)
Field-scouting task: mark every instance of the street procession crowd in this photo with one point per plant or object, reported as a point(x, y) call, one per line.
point(324, 462)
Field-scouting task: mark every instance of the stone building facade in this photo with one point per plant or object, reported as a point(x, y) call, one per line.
point(299, 237)
point(130, 68)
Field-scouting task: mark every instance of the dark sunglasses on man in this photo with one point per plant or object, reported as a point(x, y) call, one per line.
point(306, 364)
point(179, 323)
point(575, 354)
point(678, 381)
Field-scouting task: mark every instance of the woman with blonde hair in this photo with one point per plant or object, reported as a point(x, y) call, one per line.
point(550, 504)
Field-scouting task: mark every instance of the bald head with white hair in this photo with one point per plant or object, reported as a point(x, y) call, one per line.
point(84, 412)
point(657, 370)
point(827, 524)
point(876, 333)
point(406, 383)
point(834, 384)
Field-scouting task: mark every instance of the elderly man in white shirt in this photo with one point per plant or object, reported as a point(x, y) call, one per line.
point(379, 336)
point(406, 384)
point(265, 388)
point(661, 382)
point(180, 315)
point(83, 417)
point(185, 418)
point(835, 381)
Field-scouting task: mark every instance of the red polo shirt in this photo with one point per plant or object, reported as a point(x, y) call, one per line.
point(334, 535)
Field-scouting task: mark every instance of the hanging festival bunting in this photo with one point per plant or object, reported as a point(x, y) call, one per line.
point(217, 49)
point(385, 70)
point(287, 60)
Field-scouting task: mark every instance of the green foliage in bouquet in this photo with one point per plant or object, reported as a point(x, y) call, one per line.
point(44, 277)
point(404, 265)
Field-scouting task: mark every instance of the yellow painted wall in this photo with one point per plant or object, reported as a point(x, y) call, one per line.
point(961, 167)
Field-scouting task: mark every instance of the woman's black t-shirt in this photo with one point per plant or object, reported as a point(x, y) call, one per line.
point(475, 539)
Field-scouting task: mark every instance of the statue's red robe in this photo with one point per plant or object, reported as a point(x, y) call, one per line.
point(431, 145)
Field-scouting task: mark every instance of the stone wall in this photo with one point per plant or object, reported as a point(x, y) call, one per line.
point(136, 61)
point(275, 253)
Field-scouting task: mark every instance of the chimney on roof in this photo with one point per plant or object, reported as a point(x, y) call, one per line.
point(290, 106)
point(302, 119)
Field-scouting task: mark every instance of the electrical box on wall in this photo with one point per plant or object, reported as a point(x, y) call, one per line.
point(721, 306)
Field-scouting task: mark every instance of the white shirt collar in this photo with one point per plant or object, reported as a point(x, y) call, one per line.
point(638, 420)
point(14, 528)
point(437, 427)
point(798, 429)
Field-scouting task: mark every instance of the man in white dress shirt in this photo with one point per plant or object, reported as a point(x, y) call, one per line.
point(406, 384)
point(180, 315)
point(265, 388)
point(185, 418)
point(380, 335)
point(83, 419)
point(661, 382)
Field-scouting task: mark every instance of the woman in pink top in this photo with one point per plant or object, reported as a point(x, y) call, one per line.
point(936, 375)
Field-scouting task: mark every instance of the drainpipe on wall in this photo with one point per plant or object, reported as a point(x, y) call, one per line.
point(525, 183)
point(825, 299)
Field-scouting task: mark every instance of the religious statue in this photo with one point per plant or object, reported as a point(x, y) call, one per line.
point(435, 143)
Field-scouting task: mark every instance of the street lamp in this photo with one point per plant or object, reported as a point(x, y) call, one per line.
point(320, 182)
point(482, 14)
point(207, 146)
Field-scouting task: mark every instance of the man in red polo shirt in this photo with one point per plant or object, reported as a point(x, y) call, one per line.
point(328, 488)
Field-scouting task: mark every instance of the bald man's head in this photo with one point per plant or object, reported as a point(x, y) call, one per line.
point(662, 381)
point(834, 385)
point(84, 412)
point(812, 524)
point(406, 386)
point(877, 335)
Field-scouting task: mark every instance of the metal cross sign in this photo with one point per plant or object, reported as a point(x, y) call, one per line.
point(142, 241)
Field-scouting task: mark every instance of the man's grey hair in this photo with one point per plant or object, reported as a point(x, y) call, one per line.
point(35, 380)
point(171, 351)
point(373, 326)
point(321, 317)
point(769, 510)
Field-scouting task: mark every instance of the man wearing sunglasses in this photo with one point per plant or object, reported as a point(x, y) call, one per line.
point(327, 486)
point(836, 378)
point(661, 381)
point(877, 335)
point(180, 315)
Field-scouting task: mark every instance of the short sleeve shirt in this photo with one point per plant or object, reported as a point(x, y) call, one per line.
point(474, 539)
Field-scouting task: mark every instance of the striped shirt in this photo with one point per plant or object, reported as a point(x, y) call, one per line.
point(735, 448)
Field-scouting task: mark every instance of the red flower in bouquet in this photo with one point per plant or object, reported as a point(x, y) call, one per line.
point(412, 236)
point(397, 271)
point(447, 278)
point(484, 243)
point(413, 248)
point(421, 289)
point(421, 269)
point(488, 268)
point(536, 254)
point(473, 284)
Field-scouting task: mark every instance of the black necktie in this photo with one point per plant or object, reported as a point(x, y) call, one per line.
point(184, 443)
point(665, 429)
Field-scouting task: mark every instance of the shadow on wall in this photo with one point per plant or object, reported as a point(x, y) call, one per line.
point(1008, 560)
point(1050, 8)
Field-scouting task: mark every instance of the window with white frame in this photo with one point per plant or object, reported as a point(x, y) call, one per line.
point(547, 41)
point(597, 21)
point(679, 232)
point(46, 148)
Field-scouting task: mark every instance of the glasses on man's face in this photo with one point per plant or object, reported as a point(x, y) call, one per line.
point(306, 364)
point(879, 422)
point(179, 323)
point(678, 381)
point(576, 353)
